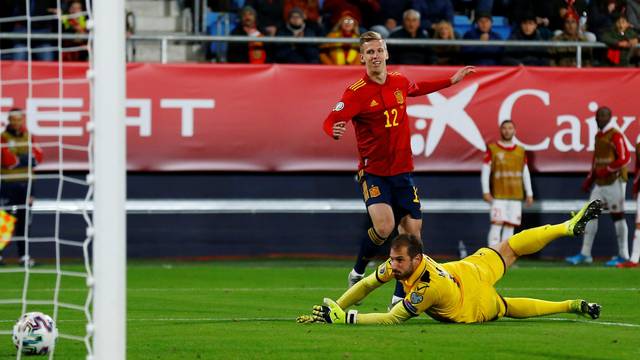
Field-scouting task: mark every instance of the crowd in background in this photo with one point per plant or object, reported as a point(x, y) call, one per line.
point(45, 18)
point(613, 22)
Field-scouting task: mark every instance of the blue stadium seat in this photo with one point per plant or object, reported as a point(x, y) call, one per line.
point(461, 20)
point(501, 26)
point(500, 21)
point(504, 31)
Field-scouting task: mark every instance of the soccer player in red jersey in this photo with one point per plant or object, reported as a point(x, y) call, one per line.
point(376, 104)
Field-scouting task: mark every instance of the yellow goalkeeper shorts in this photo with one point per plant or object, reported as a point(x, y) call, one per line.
point(477, 275)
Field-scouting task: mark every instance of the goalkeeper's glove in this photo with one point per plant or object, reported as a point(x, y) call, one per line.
point(308, 319)
point(331, 313)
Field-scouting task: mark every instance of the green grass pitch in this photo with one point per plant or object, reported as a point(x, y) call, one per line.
point(246, 310)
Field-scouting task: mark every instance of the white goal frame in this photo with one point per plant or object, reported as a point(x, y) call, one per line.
point(109, 247)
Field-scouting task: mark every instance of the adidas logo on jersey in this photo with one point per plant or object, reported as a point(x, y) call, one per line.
point(373, 103)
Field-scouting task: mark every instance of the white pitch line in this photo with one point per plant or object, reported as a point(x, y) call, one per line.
point(215, 320)
point(249, 289)
point(607, 323)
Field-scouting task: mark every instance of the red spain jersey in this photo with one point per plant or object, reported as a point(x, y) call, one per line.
point(379, 115)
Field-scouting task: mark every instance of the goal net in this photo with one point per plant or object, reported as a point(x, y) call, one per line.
point(47, 184)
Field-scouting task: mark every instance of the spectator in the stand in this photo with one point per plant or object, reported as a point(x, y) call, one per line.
point(603, 14)
point(529, 55)
point(542, 11)
point(75, 22)
point(621, 40)
point(38, 47)
point(269, 14)
point(390, 16)
point(332, 10)
point(566, 56)
point(446, 54)
point(311, 11)
point(432, 12)
point(247, 52)
point(408, 54)
point(391, 12)
point(482, 55)
point(364, 11)
point(296, 53)
point(561, 9)
point(339, 53)
point(580, 15)
point(15, 189)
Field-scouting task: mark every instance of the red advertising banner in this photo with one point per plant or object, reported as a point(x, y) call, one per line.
point(223, 117)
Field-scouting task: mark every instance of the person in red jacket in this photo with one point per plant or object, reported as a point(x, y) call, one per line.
point(17, 177)
point(376, 104)
point(609, 174)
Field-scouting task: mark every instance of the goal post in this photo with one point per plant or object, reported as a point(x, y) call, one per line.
point(109, 248)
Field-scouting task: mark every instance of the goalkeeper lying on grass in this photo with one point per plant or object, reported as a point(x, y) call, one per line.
point(459, 291)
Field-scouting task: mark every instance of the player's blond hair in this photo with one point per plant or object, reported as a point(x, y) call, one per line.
point(369, 36)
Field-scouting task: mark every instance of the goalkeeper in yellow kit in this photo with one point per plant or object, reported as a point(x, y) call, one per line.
point(459, 291)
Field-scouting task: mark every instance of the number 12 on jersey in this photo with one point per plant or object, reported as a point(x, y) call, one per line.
point(394, 114)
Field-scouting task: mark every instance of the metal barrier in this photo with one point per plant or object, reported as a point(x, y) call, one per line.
point(165, 39)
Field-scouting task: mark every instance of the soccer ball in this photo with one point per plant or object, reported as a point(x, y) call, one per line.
point(37, 332)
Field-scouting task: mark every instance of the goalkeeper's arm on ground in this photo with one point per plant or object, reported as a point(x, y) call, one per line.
point(332, 313)
point(359, 291)
point(396, 315)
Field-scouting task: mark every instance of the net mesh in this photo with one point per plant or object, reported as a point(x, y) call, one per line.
point(43, 73)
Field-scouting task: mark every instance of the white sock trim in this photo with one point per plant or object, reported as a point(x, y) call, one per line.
point(352, 317)
point(354, 273)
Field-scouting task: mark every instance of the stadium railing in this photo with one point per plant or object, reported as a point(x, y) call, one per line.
point(305, 206)
point(165, 39)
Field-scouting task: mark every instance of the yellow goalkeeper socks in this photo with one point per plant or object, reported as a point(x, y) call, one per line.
point(524, 307)
point(533, 240)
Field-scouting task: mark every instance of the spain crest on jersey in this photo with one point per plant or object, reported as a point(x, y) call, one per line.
point(399, 97)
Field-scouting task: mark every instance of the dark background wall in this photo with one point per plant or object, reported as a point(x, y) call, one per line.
point(240, 235)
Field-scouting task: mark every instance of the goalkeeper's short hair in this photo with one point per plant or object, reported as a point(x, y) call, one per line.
point(411, 242)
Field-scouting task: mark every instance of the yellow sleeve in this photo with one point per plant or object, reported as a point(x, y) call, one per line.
point(363, 287)
point(359, 291)
point(397, 315)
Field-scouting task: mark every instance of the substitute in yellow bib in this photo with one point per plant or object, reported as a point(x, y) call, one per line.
point(608, 176)
point(459, 291)
point(506, 181)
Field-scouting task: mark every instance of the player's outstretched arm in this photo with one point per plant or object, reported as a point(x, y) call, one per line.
point(359, 291)
point(332, 313)
point(461, 74)
point(427, 87)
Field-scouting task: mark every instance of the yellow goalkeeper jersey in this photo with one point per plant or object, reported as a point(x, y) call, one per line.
point(459, 291)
